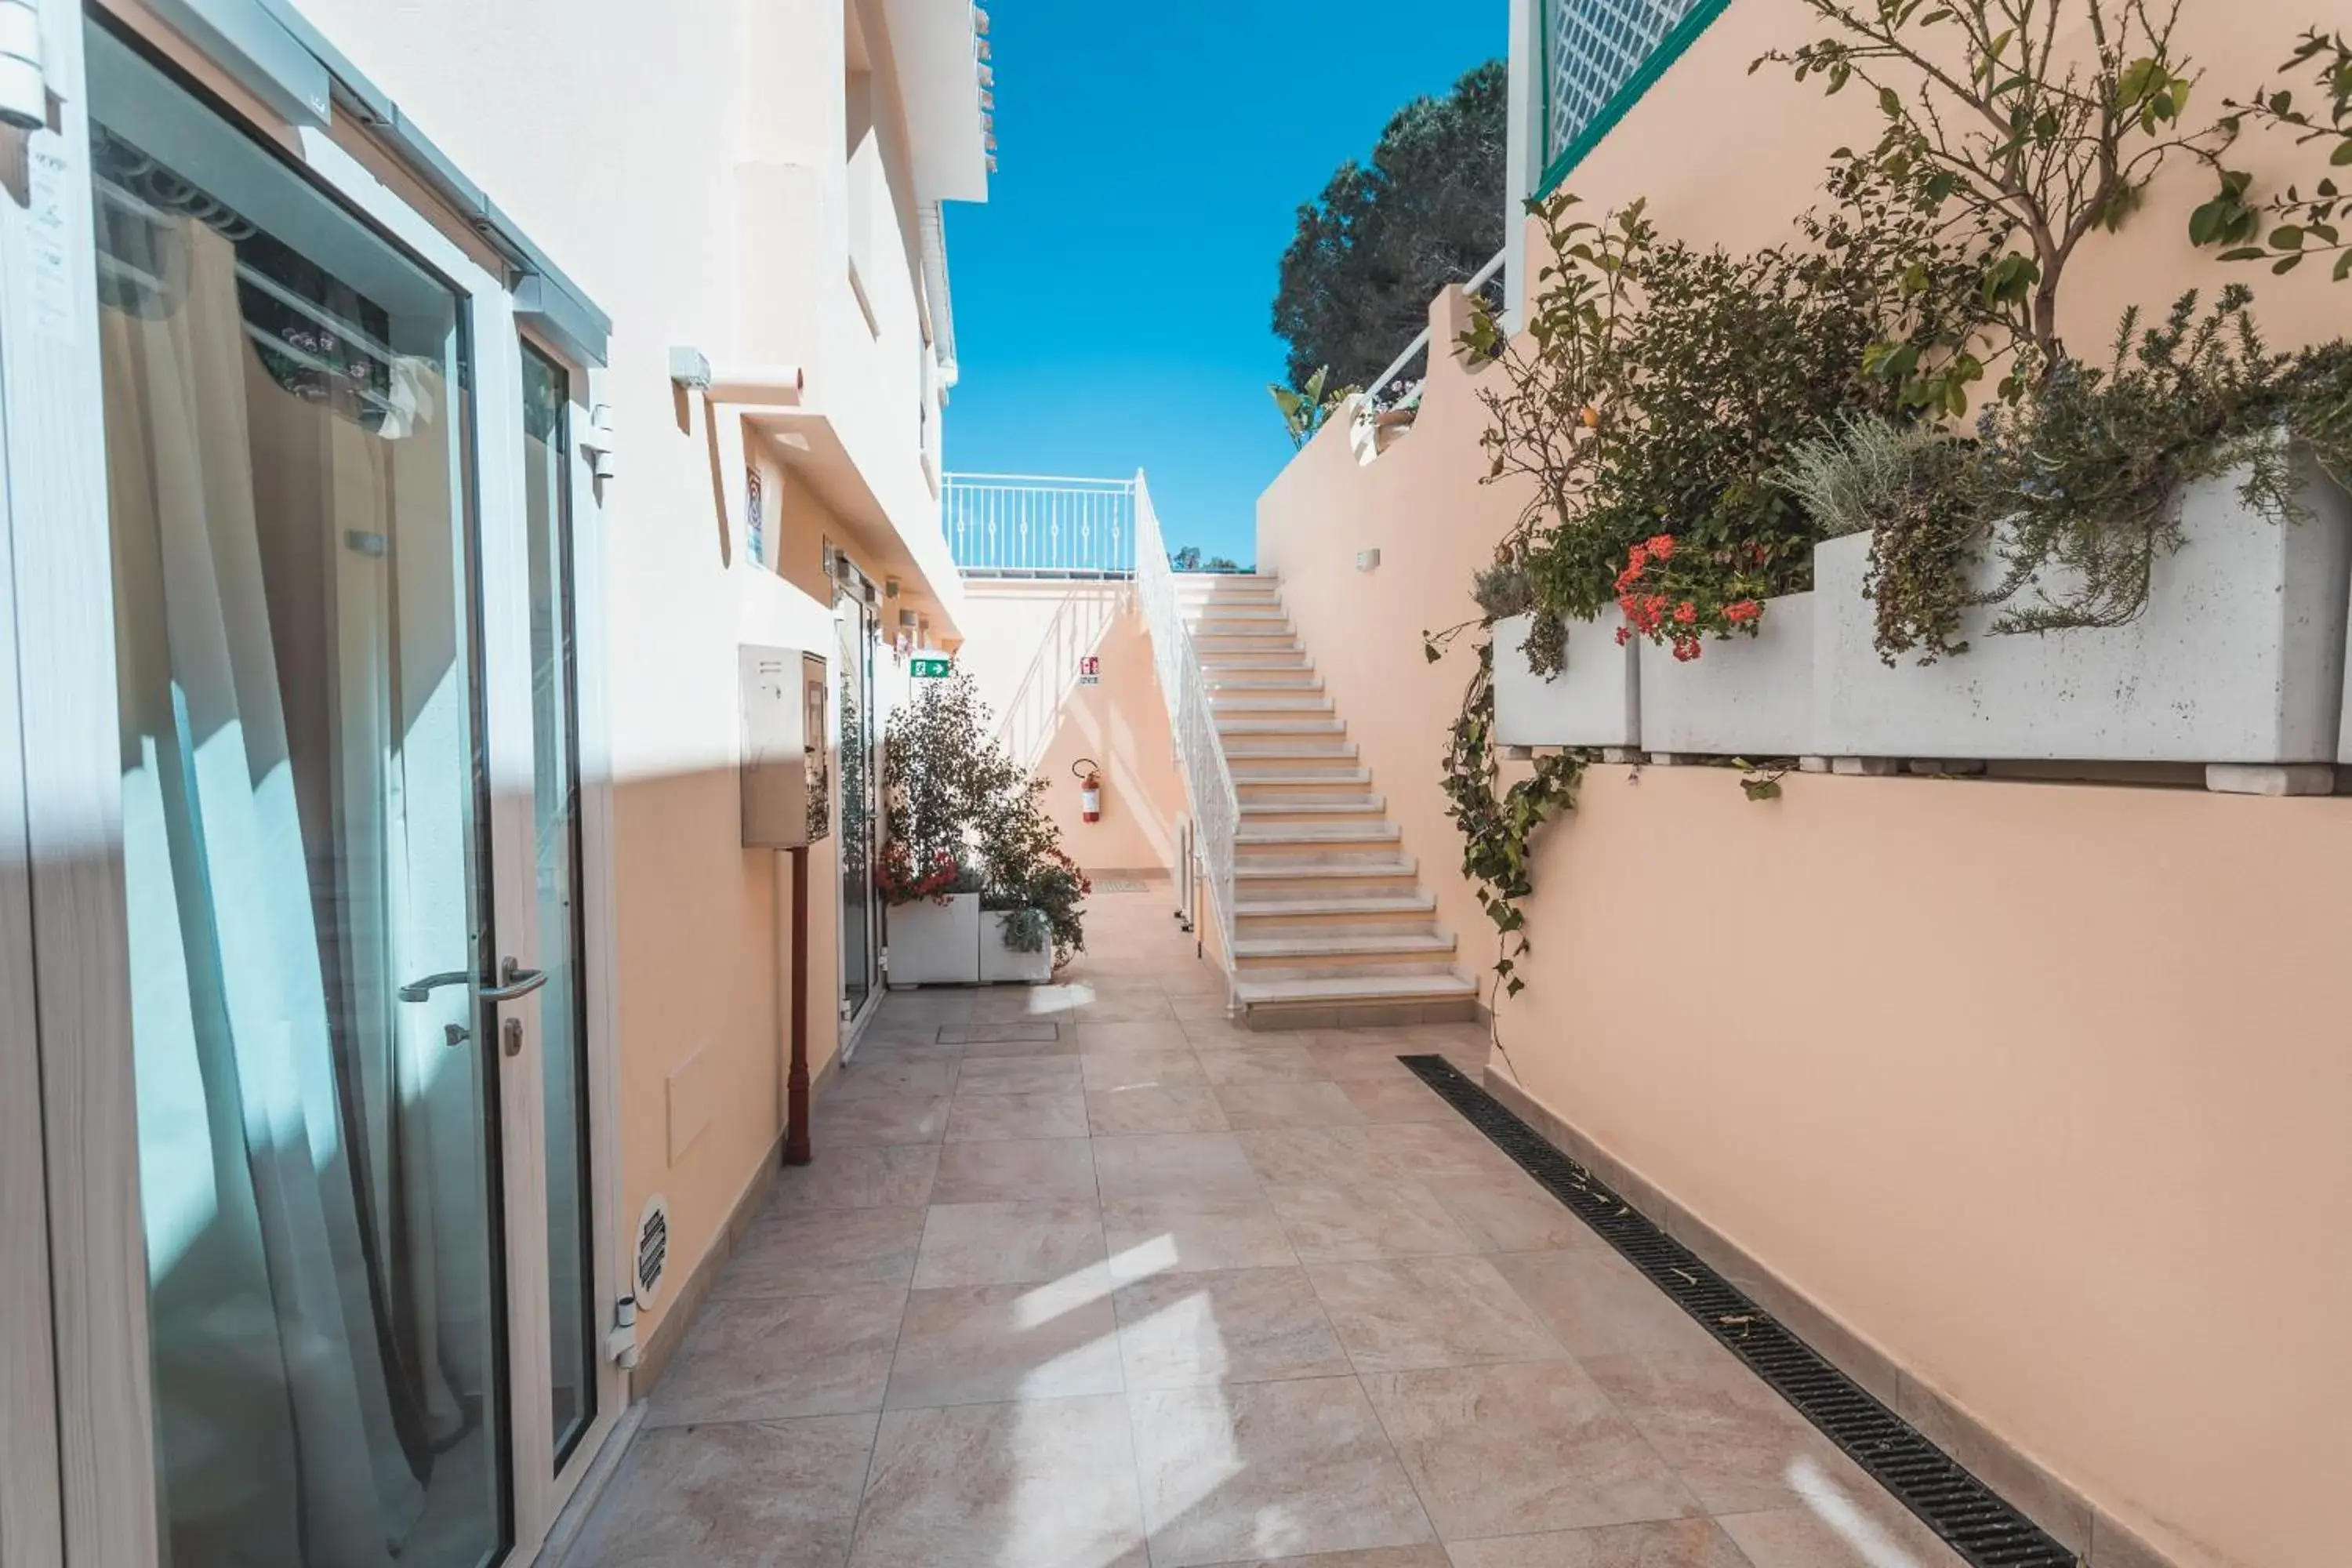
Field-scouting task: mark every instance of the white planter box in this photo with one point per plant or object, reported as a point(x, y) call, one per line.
point(936, 944)
point(2239, 657)
point(1743, 696)
point(1595, 702)
point(1000, 964)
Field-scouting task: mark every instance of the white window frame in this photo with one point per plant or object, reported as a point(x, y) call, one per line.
point(77, 1336)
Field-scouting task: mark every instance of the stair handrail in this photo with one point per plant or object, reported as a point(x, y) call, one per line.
point(1200, 754)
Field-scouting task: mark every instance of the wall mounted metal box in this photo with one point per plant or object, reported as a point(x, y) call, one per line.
point(785, 787)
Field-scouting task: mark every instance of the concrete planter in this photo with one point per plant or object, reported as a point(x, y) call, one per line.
point(1595, 702)
point(1743, 696)
point(2240, 657)
point(1001, 965)
point(936, 944)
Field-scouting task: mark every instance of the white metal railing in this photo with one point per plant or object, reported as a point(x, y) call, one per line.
point(1420, 345)
point(1038, 525)
point(1200, 755)
point(1034, 712)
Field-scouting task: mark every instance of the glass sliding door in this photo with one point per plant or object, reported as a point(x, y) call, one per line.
point(556, 866)
point(855, 738)
point(306, 855)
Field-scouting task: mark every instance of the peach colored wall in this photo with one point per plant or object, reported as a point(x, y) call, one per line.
point(1725, 157)
point(2032, 1087)
point(1122, 726)
point(1025, 638)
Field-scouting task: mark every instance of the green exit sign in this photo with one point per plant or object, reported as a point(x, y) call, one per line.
point(934, 669)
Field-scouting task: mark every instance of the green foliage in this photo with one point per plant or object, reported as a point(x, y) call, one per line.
point(1660, 385)
point(2084, 477)
point(1502, 590)
point(2034, 122)
point(1386, 236)
point(965, 817)
point(1498, 829)
point(1307, 409)
point(2076, 488)
point(1188, 559)
point(1901, 484)
point(2289, 227)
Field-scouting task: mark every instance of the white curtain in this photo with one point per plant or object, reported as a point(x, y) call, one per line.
point(295, 822)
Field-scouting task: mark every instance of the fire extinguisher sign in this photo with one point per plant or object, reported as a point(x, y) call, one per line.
point(1090, 670)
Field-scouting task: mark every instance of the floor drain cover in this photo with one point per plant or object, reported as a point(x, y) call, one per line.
point(1958, 1507)
point(1102, 886)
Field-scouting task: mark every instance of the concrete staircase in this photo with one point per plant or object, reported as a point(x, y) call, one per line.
point(1331, 926)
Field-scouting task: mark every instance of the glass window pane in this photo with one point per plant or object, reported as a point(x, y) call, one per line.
point(285, 405)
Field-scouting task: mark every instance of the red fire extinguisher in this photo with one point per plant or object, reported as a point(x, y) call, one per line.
point(1089, 774)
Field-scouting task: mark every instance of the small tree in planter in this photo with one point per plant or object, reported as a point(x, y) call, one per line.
point(965, 818)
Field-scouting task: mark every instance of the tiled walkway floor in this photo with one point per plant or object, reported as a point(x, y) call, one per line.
point(1083, 1278)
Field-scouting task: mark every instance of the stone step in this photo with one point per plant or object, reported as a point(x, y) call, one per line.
point(1274, 748)
point(1258, 701)
point(1341, 806)
point(1315, 834)
point(1277, 727)
point(1362, 907)
point(1338, 1001)
point(1353, 951)
point(1277, 780)
point(1319, 881)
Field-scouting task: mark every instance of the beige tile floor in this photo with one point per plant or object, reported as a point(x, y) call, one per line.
point(1085, 1277)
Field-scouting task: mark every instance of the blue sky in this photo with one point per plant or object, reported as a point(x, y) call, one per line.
point(1114, 298)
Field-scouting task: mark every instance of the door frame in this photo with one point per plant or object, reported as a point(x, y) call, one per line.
point(850, 581)
point(63, 614)
point(58, 691)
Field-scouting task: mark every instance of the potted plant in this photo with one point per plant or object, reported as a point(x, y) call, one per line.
point(934, 919)
point(1031, 923)
point(1658, 389)
point(972, 875)
point(2144, 562)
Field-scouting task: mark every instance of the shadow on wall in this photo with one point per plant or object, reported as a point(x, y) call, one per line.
point(1122, 726)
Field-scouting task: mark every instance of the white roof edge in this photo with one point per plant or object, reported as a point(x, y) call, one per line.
point(935, 49)
point(936, 292)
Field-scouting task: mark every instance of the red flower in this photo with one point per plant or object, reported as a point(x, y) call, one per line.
point(1661, 548)
point(1743, 610)
point(1686, 649)
point(1638, 557)
point(1624, 635)
point(1687, 612)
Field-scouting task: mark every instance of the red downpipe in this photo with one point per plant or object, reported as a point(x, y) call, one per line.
point(796, 1082)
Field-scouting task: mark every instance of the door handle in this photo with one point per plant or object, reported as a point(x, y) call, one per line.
point(418, 989)
point(514, 981)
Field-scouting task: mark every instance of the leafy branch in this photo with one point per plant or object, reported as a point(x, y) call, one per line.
point(1497, 827)
point(2299, 225)
point(2017, 129)
point(1306, 409)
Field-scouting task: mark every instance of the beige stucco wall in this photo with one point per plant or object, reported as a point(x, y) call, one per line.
point(684, 165)
point(1025, 638)
point(2038, 1088)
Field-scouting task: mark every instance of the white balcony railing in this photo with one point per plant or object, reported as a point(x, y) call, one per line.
point(1031, 525)
point(1391, 386)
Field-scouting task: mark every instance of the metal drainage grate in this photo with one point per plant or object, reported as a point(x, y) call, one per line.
point(1958, 1507)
